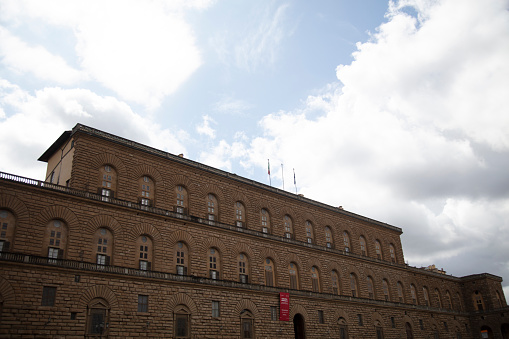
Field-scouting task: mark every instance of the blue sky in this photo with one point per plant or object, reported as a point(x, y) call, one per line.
point(394, 110)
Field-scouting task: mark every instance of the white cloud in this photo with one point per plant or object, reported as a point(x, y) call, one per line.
point(141, 50)
point(22, 58)
point(417, 136)
point(230, 105)
point(205, 128)
point(34, 123)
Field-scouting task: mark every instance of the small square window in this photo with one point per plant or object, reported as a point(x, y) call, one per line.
point(142, 303)
point(48, 295)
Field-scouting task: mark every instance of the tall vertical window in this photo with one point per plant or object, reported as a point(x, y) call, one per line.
point(214, 263)
point(346, 241)
point(353, 285)
point(55, 239)
point(499, 299)
point(269, 272)
point(315, 279)
point(335, 282)
point(97, 318)
point(142, 303)
point(343, 328)
point(146, 191)
point(240, 214)
point(378, 249)
point(7, 224)
point(243, 268)
point(294, 276)
point(49, 294)
point(321, 318)
point(328, 237)
point(181, 197)
point(288, 226)
point(182, 326)
point(211, 207)
point(448, 300)
point(247, 325)
point(215, 309)
point(385, 287)
point(362, 242)
point(103, 246)
point(265, 220)
point(400, 292)
point(413, 293)
point(273, 313)
point(371, 288)
point(108, 182)
point(181, 258)
point(144, 245)
point(438, 298)
point(309, 232)
point(426, 295)
point(393, 253)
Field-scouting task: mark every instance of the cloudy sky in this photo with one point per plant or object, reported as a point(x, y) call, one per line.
point(395, 110)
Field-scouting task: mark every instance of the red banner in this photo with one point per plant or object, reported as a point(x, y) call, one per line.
point(284, 306)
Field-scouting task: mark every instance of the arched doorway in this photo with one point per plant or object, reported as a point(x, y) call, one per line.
point(505, 331)
point(409, 333)
point(299, 327)
point(486, 332)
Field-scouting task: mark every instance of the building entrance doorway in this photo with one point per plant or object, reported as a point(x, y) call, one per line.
point(505, 331)
point(298, 326)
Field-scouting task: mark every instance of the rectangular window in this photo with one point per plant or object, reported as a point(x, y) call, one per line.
point(273, 313)
point(393, 322)
point(215, 309)
point(243, 278)
point(321, 319)
point(49, 294)
point(182, 326)
point(144, 265)
point(247, 329)
point(359, 318)
point(379, 333)
point(421, 324)
point(445, 326)
point(142, 303)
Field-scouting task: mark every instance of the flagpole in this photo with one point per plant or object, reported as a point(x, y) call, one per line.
point(294, 181)
point(282, 177)
point(268, 171)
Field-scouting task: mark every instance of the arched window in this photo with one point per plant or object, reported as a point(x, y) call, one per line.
point(315, 279)
point(146, 191)
point(438, 298)
point(243, 268)
point(55, 239)
point(269, 272)
point(309, 232)
point(240, 214)
point(460, 304)
point(181, 200)
point(107, 182)
point(401, 296)
point(293, 271)
point(392, 250)
point(354, 287)
point(265, 220)
point(343, 328)
point(247, 324)
point(426, 295)
point(7, 223)
point(329, 242)
point(144, 246)
point(371, 288)
point(212, 207)
point(499, 299)
point(413, 293)
point(478, 301)
point(214, 264)
point(182, 317)
point(362, 242)
point(346, 241)
point(335, 282)
point(385, 287)
point(103, 246)
point(181, 258)
point(288, 226)
point(448, 300)
point(98, 313)
point(378, 249)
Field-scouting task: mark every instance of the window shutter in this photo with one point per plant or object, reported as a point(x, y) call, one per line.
point(60, 254)
point(107, 260)
point(149, 266)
